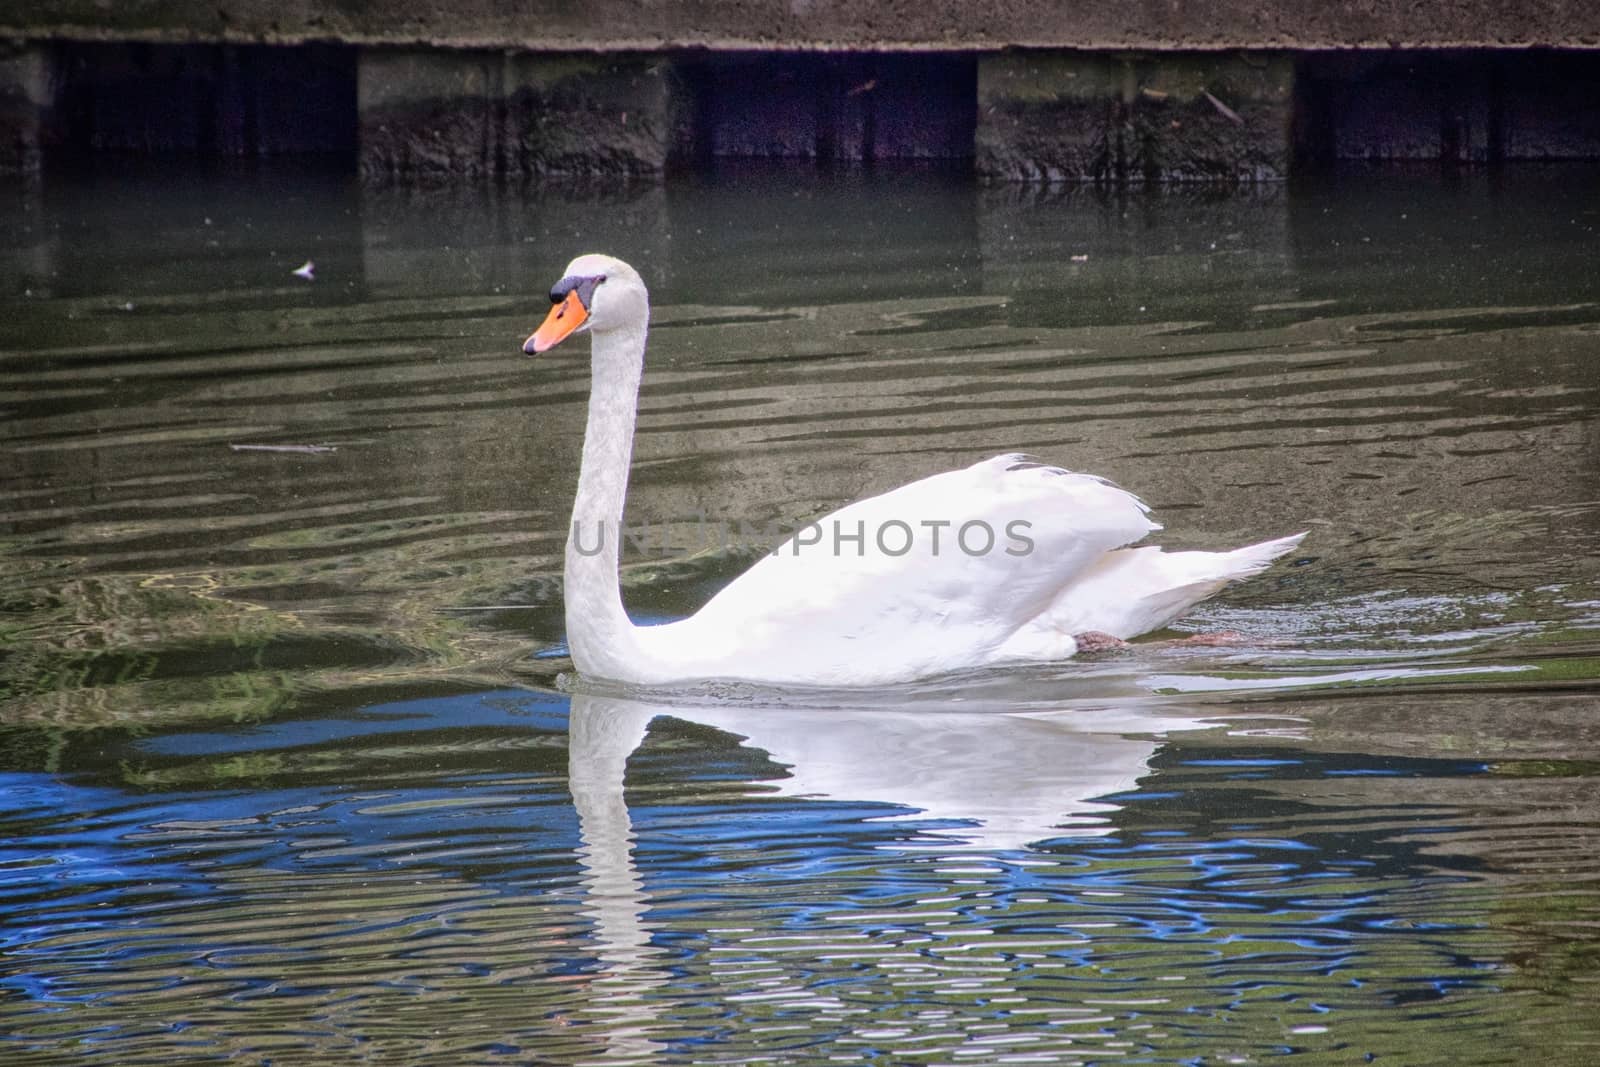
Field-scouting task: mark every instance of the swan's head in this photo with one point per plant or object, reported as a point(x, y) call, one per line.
point(596, 293)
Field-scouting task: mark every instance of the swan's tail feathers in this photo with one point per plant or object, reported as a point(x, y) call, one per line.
point(1135, 590)
point(1164, 606)
point(1253, 559)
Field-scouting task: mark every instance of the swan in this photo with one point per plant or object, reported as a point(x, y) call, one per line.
point(1008, 561)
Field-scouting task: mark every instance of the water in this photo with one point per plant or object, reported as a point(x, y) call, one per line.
point(288, 776)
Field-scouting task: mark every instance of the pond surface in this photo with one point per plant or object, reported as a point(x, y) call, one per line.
point(287, 775)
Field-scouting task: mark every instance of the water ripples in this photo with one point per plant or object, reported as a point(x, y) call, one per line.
point(283, 781)
point(1231, 895)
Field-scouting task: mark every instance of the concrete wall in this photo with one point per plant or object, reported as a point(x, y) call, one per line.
point(628, 25)
point(1096, 91)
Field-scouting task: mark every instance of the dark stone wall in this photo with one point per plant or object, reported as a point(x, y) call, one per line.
point(419, 114)
point(855, 108)
point(1452, 106)
point(229, 101)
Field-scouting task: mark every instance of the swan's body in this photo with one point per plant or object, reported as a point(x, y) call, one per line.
point(1005, 561)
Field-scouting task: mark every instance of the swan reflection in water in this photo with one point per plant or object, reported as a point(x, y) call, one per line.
point(1013, 774)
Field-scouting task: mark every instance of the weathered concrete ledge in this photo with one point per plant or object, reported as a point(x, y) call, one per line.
point(797, 25)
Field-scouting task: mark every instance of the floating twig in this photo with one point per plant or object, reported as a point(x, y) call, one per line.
point(285, 448)
point(1223, 109)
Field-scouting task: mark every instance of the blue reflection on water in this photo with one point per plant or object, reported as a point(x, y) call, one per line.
point(497, 709)
point(1250, 887)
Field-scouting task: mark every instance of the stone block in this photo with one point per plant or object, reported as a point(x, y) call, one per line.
point(1211, 118)
point(1049, 116)
point(1063, 116)
point(426, 112)
point(487, 114)
point(25, 103)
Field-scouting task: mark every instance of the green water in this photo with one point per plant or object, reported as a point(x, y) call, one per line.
point(287, 775)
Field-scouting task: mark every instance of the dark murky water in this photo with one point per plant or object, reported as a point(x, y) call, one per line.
point(286, 776)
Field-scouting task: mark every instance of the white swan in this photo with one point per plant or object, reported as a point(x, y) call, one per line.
point(1006, 561)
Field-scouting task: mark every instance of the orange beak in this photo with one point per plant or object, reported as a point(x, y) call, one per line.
point(563, 319)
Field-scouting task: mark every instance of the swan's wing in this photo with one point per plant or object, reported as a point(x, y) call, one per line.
point(928, 577)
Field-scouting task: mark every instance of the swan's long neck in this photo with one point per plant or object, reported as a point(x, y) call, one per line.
point(602, 639)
